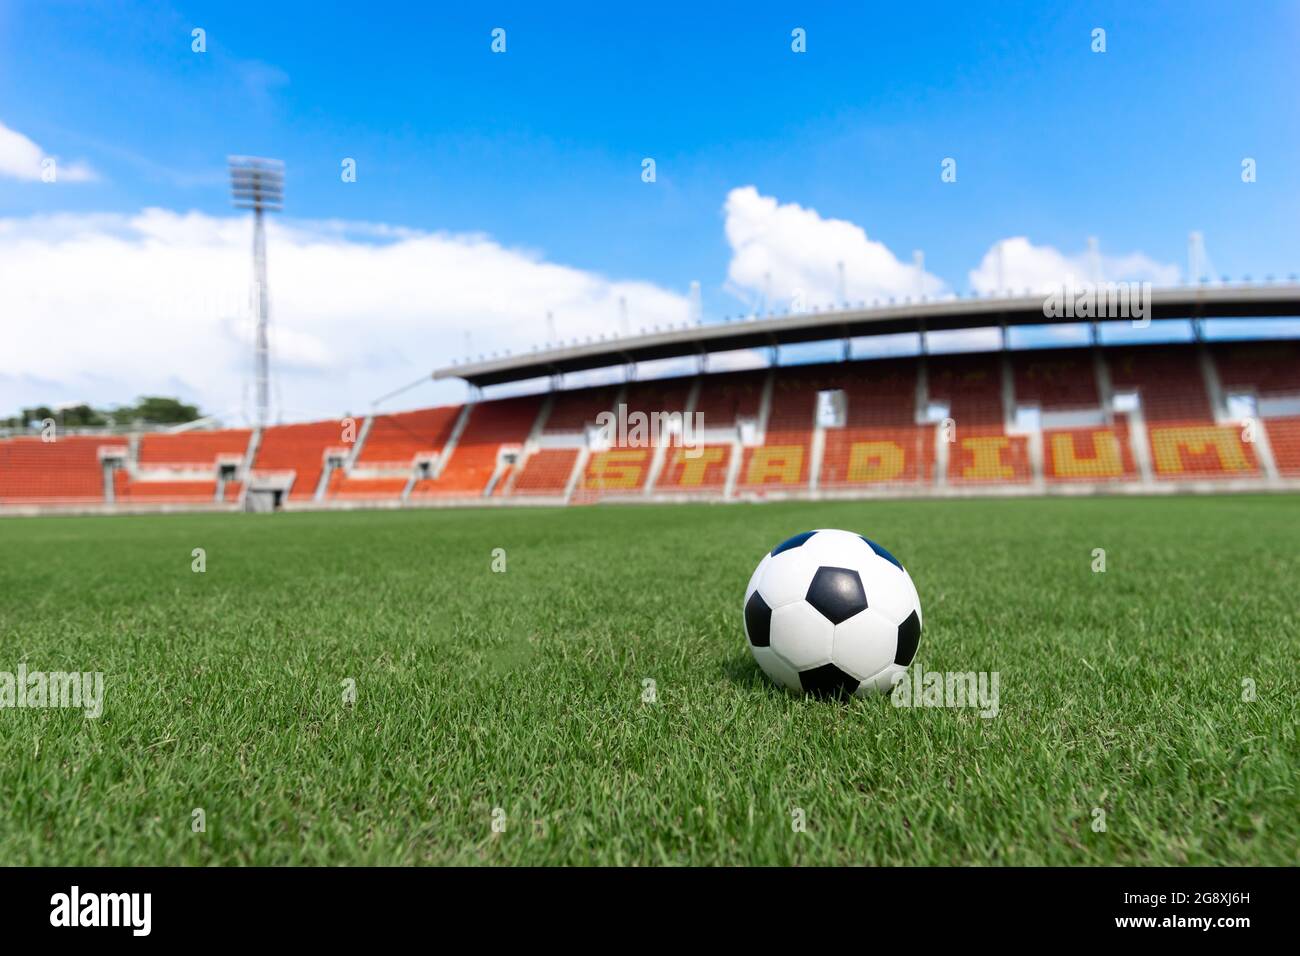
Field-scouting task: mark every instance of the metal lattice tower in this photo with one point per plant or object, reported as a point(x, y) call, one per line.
point(258, 184)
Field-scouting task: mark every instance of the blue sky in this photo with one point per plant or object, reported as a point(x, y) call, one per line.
point(540, 148)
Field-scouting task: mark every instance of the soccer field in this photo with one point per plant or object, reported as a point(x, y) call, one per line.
point(1146, 714)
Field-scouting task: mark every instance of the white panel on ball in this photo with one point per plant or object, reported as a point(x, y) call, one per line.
point(883, 683)
point(889, 590)
point(801, 636)
point(776, 669)
point(786, 578)
point(864, 644)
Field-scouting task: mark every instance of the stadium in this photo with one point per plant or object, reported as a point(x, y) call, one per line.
point(1195, 417)
point(836, 559)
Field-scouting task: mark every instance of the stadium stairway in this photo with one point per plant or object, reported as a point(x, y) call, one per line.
point(980, 448)
point(1187, 436)
point(181, 466)
point(881, 439)
point(557, 456)
point(652, 414)
point(392, 452)
point(491, 429)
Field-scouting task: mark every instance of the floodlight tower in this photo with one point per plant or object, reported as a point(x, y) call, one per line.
point(258, 184)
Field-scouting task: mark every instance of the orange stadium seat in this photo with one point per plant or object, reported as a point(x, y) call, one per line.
point(782, 461)
point(986, 453)
point(878, 456)
point(1168, 379)
point(574, 411)
point(1284, 437)
point(724, 399)
point(546, 472)
point(1266, 368)
point(504, 421)
point(980, 451)
point(1200, 449)
point(687, 471)
point(160, 492)
point(66, 470)
point(1184, 440)
point(662, 395)
point(345, 486)
point(499, 490)
point(192, 448)
point(625, 468)
point(730, 396)
point(971, 385)
point(395, 439)
point(652, 399)
point(880, 442)
point(301, 449)
point(879, 393)
point(618, 470)
point(1055, 379)
point(1088, 454)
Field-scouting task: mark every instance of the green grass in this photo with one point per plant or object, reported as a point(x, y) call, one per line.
point(523, 691)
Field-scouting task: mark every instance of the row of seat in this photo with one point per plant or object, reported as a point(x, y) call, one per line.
point(538, 445)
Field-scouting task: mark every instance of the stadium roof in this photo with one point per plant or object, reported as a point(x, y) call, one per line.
point(1236, 301)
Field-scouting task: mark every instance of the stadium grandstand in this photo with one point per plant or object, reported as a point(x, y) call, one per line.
point(1199, 415)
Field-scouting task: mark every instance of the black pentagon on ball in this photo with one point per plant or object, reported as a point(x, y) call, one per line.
point(881, 551)
point(837, 593)
point(794, 542)
point(827, 681)
point(758, 620)
point(909, 635)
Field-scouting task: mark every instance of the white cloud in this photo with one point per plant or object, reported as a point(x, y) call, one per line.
point(22, 159)
point(783, 252)
point(1017, 264)
point(780, 251)
point(103, 308)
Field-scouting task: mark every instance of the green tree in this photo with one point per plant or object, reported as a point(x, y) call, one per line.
point(37, 414)
point(79, 416)
point(158, 409)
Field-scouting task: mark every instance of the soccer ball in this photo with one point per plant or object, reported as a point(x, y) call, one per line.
point(832, 613)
